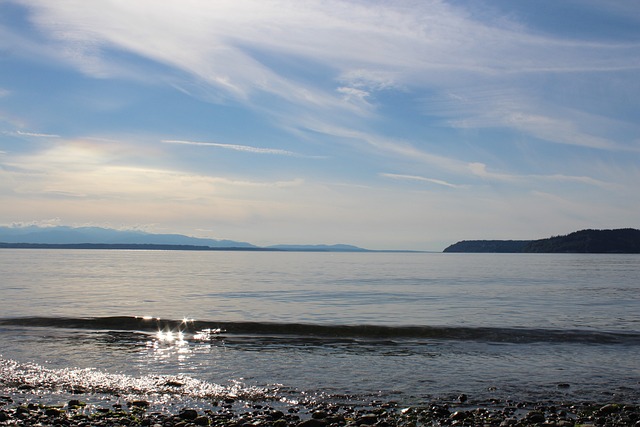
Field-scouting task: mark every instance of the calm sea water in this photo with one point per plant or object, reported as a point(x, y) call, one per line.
point(320, 326)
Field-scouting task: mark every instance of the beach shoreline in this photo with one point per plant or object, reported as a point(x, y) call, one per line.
point(26, 408)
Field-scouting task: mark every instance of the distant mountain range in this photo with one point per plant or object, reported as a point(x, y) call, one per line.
point(625, 240)
point(106, 238)
point(71, 235)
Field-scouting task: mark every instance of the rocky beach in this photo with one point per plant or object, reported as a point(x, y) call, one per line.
point(22, 409)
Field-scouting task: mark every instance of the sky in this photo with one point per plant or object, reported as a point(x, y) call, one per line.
point(387, 124)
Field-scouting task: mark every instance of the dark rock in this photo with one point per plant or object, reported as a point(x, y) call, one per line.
point(26, 387)
point(3, 416)
point(535, 417)
point(367, 419)
point(459, 415)
point(564, 385)
point(188, 414)
point(280, 423)
point(319, 415)
point(462, 398)
point(53, 412)
point(609, 409)
point(74, 403)
point(201, 421)
point(313, 422)
point(276, 415)
point(139, 404)
point(440, 411)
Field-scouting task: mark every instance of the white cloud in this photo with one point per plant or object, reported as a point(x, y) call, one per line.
point(485, 106)
point(235, 147)
point(265, 55)
point(419, 178)
point(36, 134)
point(391, 44)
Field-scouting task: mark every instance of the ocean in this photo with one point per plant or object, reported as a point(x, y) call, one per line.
point(197, 328)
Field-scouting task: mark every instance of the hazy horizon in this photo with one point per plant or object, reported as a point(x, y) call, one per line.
point(385, 125)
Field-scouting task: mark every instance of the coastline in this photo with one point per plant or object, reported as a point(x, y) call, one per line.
point(21, 407)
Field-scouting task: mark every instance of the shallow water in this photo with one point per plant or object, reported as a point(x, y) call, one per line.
point(407, 327)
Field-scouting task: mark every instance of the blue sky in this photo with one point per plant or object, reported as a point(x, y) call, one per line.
point(385, 124)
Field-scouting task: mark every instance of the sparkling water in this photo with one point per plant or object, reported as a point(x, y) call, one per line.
point(285, 326)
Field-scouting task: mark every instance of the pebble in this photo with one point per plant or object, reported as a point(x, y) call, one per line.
point(75, 413)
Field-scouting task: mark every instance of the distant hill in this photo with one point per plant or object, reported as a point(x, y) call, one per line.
point(493, 246)
point(80, 235)
point(63, 237)
point(626, 240)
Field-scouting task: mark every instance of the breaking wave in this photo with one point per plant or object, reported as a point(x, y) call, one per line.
point(31, 376)
point(314, 332)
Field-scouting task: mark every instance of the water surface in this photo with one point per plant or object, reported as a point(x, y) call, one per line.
point(395, 326)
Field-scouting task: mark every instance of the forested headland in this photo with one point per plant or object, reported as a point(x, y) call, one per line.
point(619, 241)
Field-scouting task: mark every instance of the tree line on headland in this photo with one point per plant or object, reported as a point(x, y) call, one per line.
point(620, 241)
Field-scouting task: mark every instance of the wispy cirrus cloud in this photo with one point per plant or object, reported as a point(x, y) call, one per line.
point(420, 179)
point(511, 108)
point(20, 133)
point(236, 147)
point(241, 47)
point(37, 134)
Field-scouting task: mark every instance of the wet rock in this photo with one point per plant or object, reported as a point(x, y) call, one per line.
point(75, 403)
point(3, 416)
point(53, 412)
point(276, 415)
point(26, 387)
point(564, 385)
point(188, 414)
point(280, 423)
point(78, 390)
point(609, 409)
point(319, 415)
point(508, 422)
point(462, 398)
point(459, 415)
point(141, 404)
point(313, 422)
point(535, 417)
point(367, 420)
point(201, 421)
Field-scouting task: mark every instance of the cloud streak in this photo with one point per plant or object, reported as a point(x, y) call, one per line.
point(236, 147)
point(420, 179)
point(37, 135)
